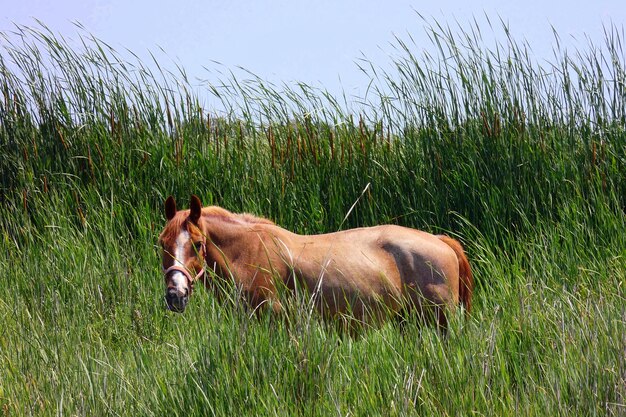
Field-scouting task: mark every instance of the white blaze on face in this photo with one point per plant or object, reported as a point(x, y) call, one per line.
point(179, 280)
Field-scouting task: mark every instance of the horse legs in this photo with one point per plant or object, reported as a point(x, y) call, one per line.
point(427, 307)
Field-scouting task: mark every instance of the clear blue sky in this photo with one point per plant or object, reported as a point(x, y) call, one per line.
point(316, 42)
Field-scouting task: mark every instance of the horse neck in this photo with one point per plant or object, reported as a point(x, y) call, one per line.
point(224, 240)
point(227, 240)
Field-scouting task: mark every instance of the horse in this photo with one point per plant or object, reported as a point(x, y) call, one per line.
point(359, 272)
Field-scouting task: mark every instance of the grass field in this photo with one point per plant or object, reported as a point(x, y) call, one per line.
point(524, 162)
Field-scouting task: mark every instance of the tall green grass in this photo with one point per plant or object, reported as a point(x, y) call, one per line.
point(524, 161)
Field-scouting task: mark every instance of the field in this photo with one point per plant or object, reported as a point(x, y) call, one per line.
point(524, 162)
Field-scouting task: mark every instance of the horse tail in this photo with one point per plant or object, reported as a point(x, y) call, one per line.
point(466, 280)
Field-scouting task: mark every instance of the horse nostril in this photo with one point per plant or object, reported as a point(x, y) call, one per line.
point(175, 295)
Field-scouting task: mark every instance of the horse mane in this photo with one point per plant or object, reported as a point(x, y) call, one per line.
point(177, 222)
point(215, 211)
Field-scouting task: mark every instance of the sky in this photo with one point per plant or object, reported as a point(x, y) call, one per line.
point(315, 42)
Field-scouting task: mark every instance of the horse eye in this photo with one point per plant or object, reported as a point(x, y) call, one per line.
point(197, 245)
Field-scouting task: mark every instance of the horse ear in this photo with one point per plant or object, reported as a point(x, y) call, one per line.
point(170, 208)
point(195, 207)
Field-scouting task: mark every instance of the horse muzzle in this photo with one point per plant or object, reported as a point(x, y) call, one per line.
point(175, 298)
point(175, 301)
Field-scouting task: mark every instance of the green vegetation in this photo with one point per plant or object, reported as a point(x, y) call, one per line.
point(524, 162)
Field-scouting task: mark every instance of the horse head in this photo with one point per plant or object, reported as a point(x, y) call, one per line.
point(183, 246)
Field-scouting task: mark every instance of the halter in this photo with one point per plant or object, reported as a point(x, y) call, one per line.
point(190, 280)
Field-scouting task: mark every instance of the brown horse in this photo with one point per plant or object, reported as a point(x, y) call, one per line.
point(353, 272)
